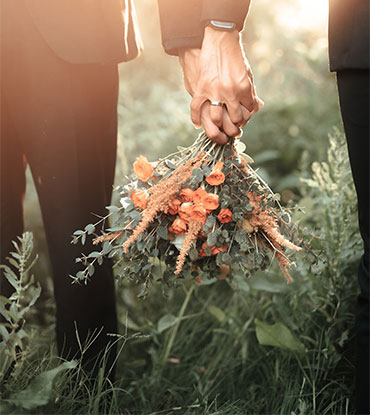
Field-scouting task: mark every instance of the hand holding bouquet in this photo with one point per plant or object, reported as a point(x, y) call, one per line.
point(201, 211)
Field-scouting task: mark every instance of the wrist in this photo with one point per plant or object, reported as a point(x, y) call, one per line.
point(213, 34)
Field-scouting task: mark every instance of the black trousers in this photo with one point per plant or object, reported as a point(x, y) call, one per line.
point(353, 87)
point(61, 120)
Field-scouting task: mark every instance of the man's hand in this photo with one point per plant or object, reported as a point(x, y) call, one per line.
point(219, 72)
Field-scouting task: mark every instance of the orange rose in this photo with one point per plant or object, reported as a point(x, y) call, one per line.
point(216, 177)
point(214, 249)
point(140, 198)
point(210, 201)
point(178, 226)
point(199, 213)
point(199, 194)
point(186, 195)
point(185, 211)
point(225, 216)
point(143, 169)
point(174, 207)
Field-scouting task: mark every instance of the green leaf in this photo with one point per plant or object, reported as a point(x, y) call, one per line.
point(212, 239)
point(210, 222)
point(162, 232)
point(94, 254)
point(90, 228)
point(166, 322)
point(217, 312)
point(170, 165)
point(193, 254)
point(226, 258)
point(113, 208)
point(197, 176)
point(277, 335)
point(240, 237)
point(39, 391)
point(107, 247)
point(90, 270)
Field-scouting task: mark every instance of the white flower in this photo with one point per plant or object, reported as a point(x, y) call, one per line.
point(125, 201)
point(178, 241)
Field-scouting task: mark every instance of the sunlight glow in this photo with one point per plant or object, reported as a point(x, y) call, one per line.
point(305, 14)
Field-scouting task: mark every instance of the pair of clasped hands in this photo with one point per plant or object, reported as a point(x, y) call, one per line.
point(219, 72)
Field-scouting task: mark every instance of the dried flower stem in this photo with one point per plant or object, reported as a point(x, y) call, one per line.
point(190, 238)
point(162, 194)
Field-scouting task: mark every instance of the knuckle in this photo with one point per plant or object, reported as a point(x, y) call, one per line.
point(236, 118)
point(213, 135)
point(216, 117)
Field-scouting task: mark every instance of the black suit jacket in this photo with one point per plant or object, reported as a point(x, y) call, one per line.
point(349, 34)
point(88, 31)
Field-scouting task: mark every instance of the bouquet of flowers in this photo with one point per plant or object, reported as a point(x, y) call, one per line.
point(202, 211)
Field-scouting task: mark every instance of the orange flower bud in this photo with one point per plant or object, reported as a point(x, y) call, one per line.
point(178, 226)
point(140, 198)
point(216, 177)
point(143, 169)
point(199, 213)
point(174, 207)
point(210, 201)
point(186, 195)
point(225, 216)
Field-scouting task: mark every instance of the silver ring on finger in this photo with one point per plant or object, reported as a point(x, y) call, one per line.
point(216, 103)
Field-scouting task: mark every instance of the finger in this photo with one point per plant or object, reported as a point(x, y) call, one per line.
point(196, 108)
point(246, 115)
point(228, 126)
point(212, 130)
point(235, 112)
point(216, 114)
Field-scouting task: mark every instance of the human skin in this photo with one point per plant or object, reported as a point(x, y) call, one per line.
point(219, 71)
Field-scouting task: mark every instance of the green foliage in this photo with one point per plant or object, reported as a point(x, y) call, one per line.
point(277, 335)
point(39, 391)
point(13, 310)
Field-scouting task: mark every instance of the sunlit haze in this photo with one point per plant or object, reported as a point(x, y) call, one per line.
point(305, 14)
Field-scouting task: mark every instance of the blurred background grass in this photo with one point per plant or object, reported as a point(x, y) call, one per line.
point(286, 44)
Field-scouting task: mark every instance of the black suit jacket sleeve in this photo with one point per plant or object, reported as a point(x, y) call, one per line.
point(183, 21)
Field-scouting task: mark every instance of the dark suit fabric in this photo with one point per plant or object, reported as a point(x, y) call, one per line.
point(88, 31)
point(60, 118)
point(353, 87)
point(349, 34)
